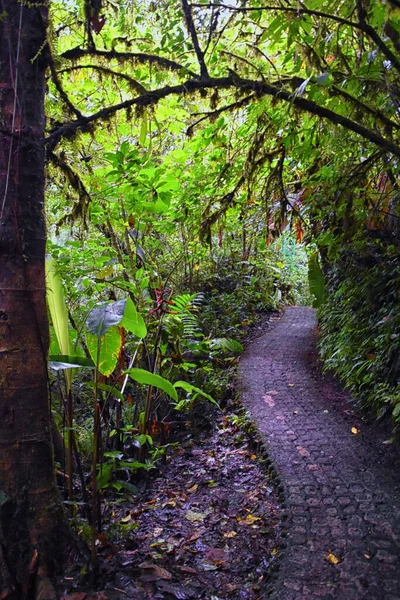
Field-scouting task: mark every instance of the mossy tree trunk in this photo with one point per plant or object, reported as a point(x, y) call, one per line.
point(31, 517)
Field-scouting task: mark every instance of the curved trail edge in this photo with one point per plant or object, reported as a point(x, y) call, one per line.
point(341, 489)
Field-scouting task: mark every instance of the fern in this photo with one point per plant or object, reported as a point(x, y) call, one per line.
point(184, 305)
point(227, 345)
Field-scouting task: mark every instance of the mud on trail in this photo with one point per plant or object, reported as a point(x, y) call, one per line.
point(341, 483)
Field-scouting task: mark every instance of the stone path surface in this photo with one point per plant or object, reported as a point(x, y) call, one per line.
point(341, 488)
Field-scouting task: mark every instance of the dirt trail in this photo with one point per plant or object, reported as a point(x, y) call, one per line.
point(341, 486)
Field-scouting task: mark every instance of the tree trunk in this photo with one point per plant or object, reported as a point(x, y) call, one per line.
point(31, 517)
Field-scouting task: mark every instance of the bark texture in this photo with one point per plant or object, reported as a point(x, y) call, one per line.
point(30, 510)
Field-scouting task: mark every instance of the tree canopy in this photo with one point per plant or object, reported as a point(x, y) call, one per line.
point(288, 105)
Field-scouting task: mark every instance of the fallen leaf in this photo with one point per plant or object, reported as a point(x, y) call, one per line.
point(197, 534)
point(179, 592)
point(159, 572)
point(193, 489)
point(313, 467)
point(332, 559)
point(195, 517)
point(253, 456)
point(126, 519)
point(230, 534)
point(354, 431)
point(248, 520)
point(216, 556)
point(185, 569)
point(291, 384)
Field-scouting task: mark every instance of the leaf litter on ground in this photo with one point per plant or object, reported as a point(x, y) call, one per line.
point(207, 527)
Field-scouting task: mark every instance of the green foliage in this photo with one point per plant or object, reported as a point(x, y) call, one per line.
point(142, 376)
point(360, 324)
point(316, 280)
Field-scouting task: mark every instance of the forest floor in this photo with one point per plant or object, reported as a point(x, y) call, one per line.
point(207, 525)
point(340, 481)
point(210, 524)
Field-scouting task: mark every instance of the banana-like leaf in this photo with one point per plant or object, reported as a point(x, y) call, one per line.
point(57, 306)
point(110, 345)
point(143, 376)
point(58, 312)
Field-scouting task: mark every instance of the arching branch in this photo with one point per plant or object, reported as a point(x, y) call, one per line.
point(361, 25)
point(261, 88)
point(63, 95)
point(288, 9)
point(136, 85)
point(140, 57)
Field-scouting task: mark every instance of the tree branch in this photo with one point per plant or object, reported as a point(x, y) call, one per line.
point(362, 25)
point(59, 87)
point(136, 85)
point(195, 40)
point(140, 57)
point(373, 34)
point(297, 11)
point(214, 113)
point(261, 88)
point(337, 91)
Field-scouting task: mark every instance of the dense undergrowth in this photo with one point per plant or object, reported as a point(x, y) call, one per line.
point(161, 370)
point(360, 324)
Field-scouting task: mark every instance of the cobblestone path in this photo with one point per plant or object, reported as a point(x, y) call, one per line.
point(341, 487)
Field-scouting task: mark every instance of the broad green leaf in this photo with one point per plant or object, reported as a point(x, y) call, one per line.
point(143, 376)
point(110, 345)
point(65, 361)
point(132, 321)
point(197, 391)
point(58, 311)
point(103, 317)
point(57, 305)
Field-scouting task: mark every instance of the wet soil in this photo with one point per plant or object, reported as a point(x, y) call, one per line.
point(207, 527)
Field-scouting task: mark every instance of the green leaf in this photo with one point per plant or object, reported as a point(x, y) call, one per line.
point(143, 131)
point(227, 345)
point(143, 376)
point(104, 475)
point(66, 361)
point(198, 392)
point(57, 306)
point(125, 485)
point(107, 388)
point(110, 345)
point(316, 280)
point(3, 498)
point(103, 317)
point(132, 321)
